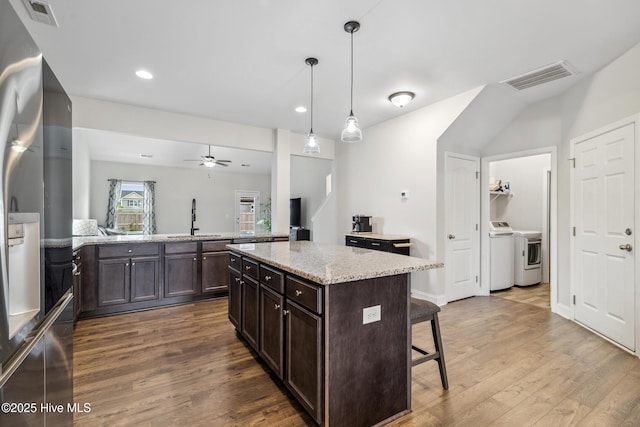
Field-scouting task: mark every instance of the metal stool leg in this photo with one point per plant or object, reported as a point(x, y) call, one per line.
point(437, 341)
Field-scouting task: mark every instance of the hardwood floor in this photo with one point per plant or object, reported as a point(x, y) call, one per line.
point(537, 295)
point(509, 364)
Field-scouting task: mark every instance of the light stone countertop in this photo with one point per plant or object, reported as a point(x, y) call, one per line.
point(151, 238)
point(328, 264)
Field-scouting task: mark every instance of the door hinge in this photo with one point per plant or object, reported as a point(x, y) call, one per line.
point(574, 231)
point(476, 279)
point(574, 300)
point(477, 174)
point(476, 227)
point(573, 162)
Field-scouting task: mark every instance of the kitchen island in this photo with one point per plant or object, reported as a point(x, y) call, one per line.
point(332, 322)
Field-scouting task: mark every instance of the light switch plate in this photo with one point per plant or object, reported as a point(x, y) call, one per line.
point(371, 314)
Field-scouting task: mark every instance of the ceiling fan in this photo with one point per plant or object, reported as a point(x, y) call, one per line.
point(210, 161)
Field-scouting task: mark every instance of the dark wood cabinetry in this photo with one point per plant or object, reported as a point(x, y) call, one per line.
point(181, 275)
point(77, 285)
point(280, 317)
point(214, 267)
point(380, 242)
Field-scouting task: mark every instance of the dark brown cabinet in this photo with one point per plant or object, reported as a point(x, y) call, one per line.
point(77, 285)
point(393, 244)
point(250, 310)
point(180, 274)
point(125, 280)
point(271, 329)
point(280, 317)
point(303, 357)
point(235, 296)
point(214, 272)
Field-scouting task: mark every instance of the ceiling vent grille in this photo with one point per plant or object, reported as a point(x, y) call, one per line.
point(40, 12)
point(540, 76)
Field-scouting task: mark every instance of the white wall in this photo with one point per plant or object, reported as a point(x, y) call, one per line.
point(308, 181)
point(81, 170)
point(399, 154)
point(609, 95)
point(175, 187)
point(523, 208)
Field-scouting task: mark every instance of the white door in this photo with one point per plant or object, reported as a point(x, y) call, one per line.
point(462, 213)
point(603, 189)
point(247, 207)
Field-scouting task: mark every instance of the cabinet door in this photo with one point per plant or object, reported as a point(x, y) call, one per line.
point(180, 275)
point(113, 281)
point(271, 329)
point(214, 272)
point(303, 357)
point(249, 310)
point(235, 297)
point(144, 279)
point(77, 291)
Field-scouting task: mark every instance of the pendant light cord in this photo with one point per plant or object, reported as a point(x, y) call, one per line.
point(311, 98)
point(351, 113)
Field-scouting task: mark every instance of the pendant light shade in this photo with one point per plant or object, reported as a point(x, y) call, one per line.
point(311, 146)
point(351, 131)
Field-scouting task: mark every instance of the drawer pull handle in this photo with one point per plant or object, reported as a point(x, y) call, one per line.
point(233, 260)
point(353, 241)
point(298, 292)
point(285, 312)
point(375, 244)
point(267, 278)
point(129, 251)
point(77, 273)
point(276, 306)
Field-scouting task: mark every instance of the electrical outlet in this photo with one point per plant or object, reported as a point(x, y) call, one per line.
point(371, 314)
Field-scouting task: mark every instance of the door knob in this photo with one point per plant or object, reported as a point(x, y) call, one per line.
point(626, 247)
point(451, 236)
point(627, 232)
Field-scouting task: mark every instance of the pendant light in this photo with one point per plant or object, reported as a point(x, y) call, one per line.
point(311, 146)
point(351, 131)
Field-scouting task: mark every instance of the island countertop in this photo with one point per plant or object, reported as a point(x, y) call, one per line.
point(328, 264)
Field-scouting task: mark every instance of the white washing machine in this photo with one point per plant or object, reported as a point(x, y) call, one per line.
point(528, 257)
point(501, 253)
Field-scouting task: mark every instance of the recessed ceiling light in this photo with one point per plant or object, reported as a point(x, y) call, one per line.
point(245, 165)
point(146, 156)
point(144, 74)
point(301, 109)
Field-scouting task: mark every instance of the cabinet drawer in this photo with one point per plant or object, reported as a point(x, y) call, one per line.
point(180, 248)
point(379, 245)
point(304, 293)
point(125, 250)
point(250, 268)
point(272, 278)
point(218, 245)
point(355, 241)
point(235, 261)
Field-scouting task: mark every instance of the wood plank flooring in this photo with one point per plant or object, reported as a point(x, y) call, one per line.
point(509, 364)
point(537, 295)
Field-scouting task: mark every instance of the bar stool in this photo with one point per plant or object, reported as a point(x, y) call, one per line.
point(422, 311)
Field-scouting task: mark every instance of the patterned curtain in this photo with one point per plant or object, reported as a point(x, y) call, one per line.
point(115, 188)
point(149, 213)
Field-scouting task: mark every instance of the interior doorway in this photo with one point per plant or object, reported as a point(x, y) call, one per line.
point(246, 203)
point(519, 189)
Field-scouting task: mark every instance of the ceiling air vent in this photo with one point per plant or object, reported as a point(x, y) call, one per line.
point(540, 76)
point(40, 12)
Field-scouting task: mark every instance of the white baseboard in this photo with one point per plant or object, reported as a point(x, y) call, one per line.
point(436, 299)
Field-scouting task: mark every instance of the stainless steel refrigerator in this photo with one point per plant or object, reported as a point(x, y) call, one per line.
point(36, 316)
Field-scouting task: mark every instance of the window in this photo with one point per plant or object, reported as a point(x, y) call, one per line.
point(129, 212)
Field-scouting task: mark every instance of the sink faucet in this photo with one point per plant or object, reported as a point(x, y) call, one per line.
point(193, 217)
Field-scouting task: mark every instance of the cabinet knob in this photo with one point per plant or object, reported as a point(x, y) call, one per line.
point(247, 267)
point(129, 251)
point(132, 264)
point(267, 278)
point(242, 282)
point(276, 306)
point(233, 260)
point(204, 257)
point(78, 258)
point(298, 292)
point(195, 259)
point(126, 265)
point(285, 312)
point(237, 279)
point(77, 273)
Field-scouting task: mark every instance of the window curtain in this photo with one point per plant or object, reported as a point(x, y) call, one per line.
point(148, 207)
point(115, 188)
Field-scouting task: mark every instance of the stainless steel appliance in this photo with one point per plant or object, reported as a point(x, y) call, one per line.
point(35, 233)
point(361, 224)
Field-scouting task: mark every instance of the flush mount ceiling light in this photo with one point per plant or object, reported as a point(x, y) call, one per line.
point(351, 131)
point(400, 99)
point(144, 74)
point(301, 109)
point(311, 146)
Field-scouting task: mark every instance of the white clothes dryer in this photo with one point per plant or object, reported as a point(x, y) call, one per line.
point(527, 257)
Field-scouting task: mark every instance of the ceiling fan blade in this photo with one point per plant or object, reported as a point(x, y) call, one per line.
point(222, 164)
point(225, 161)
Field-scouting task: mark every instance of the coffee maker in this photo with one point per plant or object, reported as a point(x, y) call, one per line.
point(361, 224)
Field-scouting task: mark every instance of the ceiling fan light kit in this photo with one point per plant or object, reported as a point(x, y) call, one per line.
point(311, 146)
point(209, 161)
point(351, 132)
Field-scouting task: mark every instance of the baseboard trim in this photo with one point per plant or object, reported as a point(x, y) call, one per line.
point(436, 299)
